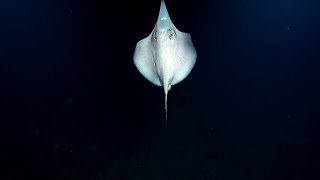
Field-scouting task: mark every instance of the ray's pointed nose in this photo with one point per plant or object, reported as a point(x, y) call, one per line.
point(164, 18)
point(163, 14)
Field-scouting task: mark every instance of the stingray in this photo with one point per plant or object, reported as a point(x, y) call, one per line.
point(167, 55)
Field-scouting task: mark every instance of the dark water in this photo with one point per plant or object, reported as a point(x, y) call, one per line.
point(73, 105)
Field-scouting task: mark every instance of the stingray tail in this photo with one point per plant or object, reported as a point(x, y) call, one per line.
point(165, 106)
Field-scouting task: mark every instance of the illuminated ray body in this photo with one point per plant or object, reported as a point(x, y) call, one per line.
point(167, 55)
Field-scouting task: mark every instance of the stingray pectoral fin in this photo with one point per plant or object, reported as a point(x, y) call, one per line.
point(186, 57)
point(144, 61)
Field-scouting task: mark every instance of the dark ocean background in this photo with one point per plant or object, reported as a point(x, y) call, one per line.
point(74, 106)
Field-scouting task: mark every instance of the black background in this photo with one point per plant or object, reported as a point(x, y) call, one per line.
point(73, 105)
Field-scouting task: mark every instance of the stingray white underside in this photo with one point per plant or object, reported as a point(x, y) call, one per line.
point(184, 58)
point(167, 55)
